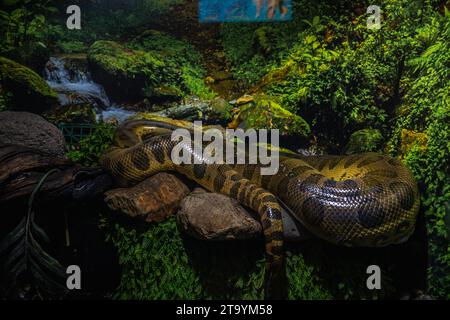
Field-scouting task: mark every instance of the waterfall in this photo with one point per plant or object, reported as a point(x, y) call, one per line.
point(75, 86)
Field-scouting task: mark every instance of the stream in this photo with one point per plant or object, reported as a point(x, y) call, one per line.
point(75, 86)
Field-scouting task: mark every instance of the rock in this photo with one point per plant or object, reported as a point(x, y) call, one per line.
point(292, 229)
point(76, 113)
point(221, 75)
point(129, 74)
point(165, 93)
point(75, 62)
point(193, 108)
point(244, 100)
point(31, 130)
point(24, 89)
point(151, 200)
point(122, 71)
point(265, 113)
point(366, 140)
point(213, 216)
point(221, 108)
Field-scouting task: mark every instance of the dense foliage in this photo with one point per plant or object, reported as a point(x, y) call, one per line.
point(159, 262)
point(90, 148)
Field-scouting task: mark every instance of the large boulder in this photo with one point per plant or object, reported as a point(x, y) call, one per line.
point(24, 89)
point(128, 74)
point(151, 200)
point(213, 216)
point(192, 108)
point(30, 130)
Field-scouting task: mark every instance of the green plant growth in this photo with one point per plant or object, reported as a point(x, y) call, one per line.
point(181, 54)
point(365, 140)
point(141, 72)
point(25, 256)
point(88, 150)
point(266, 113)
point(24, 22)
point(159, 263)
point(426, 109)
point(23, 88)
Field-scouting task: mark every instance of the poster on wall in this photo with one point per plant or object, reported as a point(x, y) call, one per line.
point(245, 10)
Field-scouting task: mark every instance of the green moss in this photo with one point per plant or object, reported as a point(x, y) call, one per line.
point(27, 90)
point(365, 140)
point(71, 46)
point(265, 113)
point(139, 69)
point(117, 60)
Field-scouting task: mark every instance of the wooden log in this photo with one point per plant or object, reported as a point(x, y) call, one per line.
point(21, 169)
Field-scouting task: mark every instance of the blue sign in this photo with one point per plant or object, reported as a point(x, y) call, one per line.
point(245, 10)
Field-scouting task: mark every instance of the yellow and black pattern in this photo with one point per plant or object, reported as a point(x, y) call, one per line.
point(359, 200)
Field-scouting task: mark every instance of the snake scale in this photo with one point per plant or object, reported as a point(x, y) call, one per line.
point(368, 200)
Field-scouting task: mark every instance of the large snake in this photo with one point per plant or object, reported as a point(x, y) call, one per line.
point(368, 200)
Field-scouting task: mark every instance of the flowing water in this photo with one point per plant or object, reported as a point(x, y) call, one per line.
point(75, 86)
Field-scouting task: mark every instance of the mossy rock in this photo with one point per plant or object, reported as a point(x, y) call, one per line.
point(24, 89)
point(128, 74)
point(265, 113)
point(365, 140)
point(165, 93)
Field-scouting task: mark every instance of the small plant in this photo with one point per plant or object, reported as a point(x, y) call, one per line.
point(89, 149)
point(26, 257)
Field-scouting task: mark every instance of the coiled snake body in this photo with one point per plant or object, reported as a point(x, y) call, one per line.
point(366, 200)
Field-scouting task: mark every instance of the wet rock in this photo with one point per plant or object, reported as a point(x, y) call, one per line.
point(151, 200)
point(165, 93)
point(69, 76)
point(30, 130)
point(212, 216)
point(366, 140)
point(28, 91)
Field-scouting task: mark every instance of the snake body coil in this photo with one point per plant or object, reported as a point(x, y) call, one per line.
point(359, 200)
